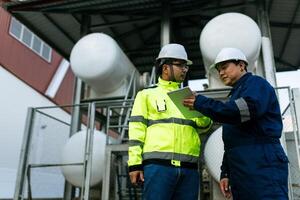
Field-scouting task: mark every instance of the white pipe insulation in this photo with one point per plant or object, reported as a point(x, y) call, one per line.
point(229, 30)
point(98, 60)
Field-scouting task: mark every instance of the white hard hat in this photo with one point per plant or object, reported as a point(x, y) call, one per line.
point(176, 51)
point(227, 54)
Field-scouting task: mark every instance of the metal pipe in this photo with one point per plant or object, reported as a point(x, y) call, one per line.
point(78, 95)
point(165, 24)
point(267, 48)
point(106, 174)
point(54, 118)
point(24, 154)
point(88, 152)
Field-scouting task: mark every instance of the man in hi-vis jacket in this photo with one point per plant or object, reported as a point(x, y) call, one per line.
point(164, 146)
point(254, 165)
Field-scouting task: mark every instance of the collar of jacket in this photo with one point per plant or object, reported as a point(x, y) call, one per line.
point(168, 84)
point(241, 80)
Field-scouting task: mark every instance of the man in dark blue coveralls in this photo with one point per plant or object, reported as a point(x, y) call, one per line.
point(254, 165)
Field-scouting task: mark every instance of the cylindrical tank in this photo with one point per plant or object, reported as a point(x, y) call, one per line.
point(98, 60)
point(73, 152)
point(229, 30)
point(213, 153)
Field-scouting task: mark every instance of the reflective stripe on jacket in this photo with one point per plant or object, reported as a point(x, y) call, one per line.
point(158, 130)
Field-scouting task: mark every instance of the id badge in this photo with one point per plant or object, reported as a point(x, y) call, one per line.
point(161, 105)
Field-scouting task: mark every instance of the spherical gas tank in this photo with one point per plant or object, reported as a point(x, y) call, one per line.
point(73, 152)
point(230, 30)
point(98, 60)
point(213, 153)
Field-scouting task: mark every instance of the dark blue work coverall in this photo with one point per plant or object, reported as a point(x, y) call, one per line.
point(254, 160)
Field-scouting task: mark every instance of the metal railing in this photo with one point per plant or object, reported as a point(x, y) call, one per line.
point(112, 117)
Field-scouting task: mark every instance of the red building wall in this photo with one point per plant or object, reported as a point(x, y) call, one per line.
point(64, 95)
point(29, 66)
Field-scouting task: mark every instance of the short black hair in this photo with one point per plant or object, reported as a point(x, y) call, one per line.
point(236, 62)
point(160, 62)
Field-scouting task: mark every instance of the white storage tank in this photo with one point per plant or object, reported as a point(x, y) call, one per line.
point(229, 30)
point(73, 152)
point(98, 60)
point(213, 153)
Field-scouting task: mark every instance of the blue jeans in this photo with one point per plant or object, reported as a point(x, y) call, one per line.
point(170, 183)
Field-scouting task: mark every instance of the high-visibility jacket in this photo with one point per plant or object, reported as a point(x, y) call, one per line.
point(159, 131)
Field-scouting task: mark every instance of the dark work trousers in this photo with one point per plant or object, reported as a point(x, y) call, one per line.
point(170, 183)
point(258, 172)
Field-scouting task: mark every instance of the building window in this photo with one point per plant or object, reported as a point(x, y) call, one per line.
point(46, 51)
point(37, 44)
point(15, 28)
point(24, 35)
point(27, 37)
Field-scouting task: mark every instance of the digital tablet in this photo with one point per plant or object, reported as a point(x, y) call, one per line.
point(177, 97)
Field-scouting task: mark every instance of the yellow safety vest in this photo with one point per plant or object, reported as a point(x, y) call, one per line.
point(158, 130)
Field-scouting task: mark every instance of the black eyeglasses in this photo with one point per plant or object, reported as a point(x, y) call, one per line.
point(181, 65)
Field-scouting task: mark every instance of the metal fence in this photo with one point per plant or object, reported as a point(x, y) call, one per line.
point(40, 173)
point(48, 130)
point(291, 136)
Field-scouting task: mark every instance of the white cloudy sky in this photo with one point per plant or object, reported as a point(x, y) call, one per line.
point(290, 78)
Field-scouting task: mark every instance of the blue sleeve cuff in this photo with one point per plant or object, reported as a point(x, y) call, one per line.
point(223, 175)
point(199, 102)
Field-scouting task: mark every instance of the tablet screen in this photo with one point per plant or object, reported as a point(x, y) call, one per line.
point(177, 97)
